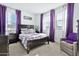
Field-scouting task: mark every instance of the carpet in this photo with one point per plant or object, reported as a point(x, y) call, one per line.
point(51, 49)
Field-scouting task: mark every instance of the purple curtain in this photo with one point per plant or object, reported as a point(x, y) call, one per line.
point(41, 23)
point(52, 29)
point(2, 19)
point(18, 21)
point(70, 12)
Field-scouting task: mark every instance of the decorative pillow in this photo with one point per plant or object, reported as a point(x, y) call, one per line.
point(24, 31)
point(31, 30)
point(72, 37)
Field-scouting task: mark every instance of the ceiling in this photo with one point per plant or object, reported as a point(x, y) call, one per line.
point(34, 8)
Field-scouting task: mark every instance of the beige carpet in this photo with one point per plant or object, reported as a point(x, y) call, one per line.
point(53, 49)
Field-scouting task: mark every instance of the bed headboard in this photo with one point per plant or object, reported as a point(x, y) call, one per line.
point(26, 26)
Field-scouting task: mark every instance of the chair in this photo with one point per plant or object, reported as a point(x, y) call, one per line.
point(69, 44)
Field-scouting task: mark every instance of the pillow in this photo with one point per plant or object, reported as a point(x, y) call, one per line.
point(24, 30)
point(72, 37)
point(31, 30)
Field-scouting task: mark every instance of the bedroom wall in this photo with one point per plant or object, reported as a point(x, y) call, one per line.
point(76, 17)
point(25, 21)
point(37, 21)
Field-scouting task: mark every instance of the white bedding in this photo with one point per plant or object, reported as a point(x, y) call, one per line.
point(31, 36)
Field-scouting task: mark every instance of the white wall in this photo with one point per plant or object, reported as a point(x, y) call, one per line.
point(76, 17)
point(37, 21)
point(25, 21)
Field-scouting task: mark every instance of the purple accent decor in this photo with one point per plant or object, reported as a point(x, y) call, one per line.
point(52, 29)
point(72, 37)
point(18, 21)
point(70, 12)
point(41, 23)
point(2, 19)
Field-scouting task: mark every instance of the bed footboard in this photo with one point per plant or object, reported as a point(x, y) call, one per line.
point(36, 43)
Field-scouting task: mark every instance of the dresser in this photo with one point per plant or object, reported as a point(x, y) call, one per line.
point(4, 46)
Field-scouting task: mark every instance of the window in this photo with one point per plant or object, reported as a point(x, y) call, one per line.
point(46, 23)
point(59, 21)
point(10, 21)
point(61, 18)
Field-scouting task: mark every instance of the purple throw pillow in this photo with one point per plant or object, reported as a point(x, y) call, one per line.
point(72, 37)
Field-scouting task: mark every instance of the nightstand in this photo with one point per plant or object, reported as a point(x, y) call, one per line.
point(12, 38)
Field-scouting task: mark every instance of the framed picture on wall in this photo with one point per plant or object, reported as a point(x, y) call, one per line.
point(27, 17)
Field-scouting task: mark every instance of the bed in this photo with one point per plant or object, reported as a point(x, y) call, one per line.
point(30, 39)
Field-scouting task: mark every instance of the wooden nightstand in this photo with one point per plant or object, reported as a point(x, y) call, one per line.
point(12, 38)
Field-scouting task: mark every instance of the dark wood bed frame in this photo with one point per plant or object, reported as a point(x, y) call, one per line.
point(34, 43)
